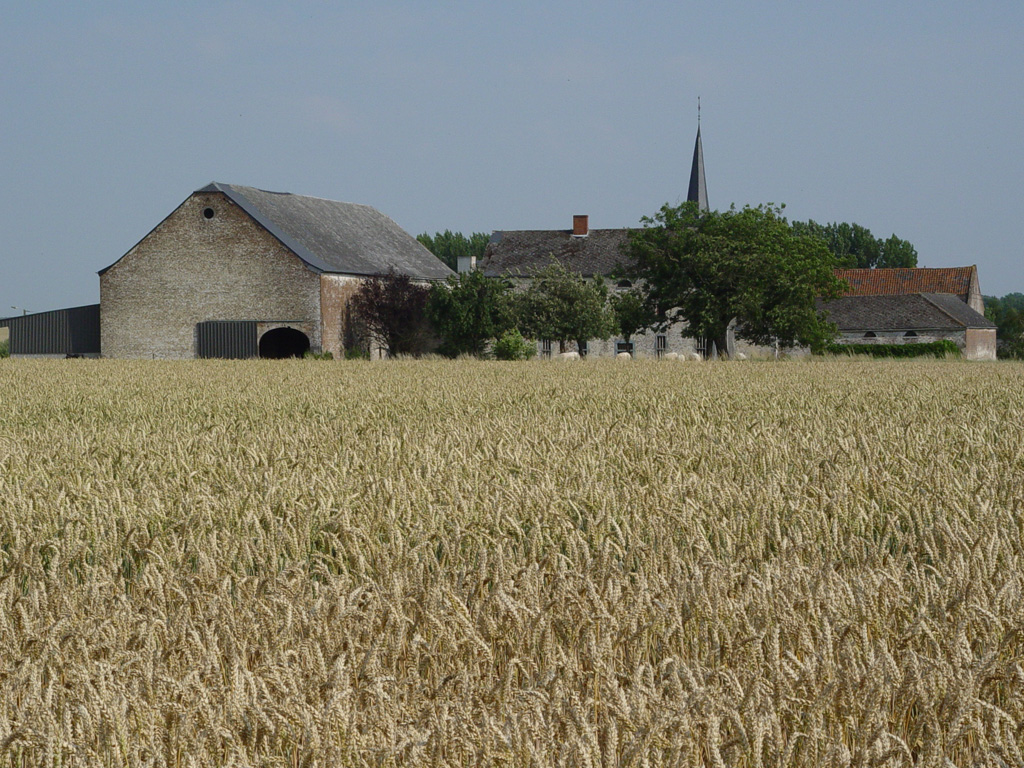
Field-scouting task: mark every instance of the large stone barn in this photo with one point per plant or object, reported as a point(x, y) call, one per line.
point(241, 272)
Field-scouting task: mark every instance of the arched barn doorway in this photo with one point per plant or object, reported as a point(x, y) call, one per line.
point(283, 342)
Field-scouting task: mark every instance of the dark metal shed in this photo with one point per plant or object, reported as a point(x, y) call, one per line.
point(74, 331)
point(230, 339)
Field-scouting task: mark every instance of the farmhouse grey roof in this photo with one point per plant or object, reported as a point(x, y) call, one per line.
point(907, 312)
point(331, 236)
point(524, 253)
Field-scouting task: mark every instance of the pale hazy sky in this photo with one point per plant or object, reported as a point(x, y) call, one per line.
point(907, 118)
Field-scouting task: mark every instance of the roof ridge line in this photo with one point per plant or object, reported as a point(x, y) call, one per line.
point(221, 185)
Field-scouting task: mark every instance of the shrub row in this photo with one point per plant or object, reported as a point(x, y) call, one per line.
point(940, 348)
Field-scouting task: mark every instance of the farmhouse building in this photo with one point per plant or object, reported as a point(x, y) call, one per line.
point(519, 255)
point(241, 272)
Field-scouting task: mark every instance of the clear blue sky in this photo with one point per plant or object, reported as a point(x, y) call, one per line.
point(907, 118)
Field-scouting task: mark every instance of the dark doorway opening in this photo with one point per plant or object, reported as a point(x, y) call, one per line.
point(283, 342)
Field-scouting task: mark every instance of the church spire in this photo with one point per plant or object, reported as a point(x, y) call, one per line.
point(698, 188)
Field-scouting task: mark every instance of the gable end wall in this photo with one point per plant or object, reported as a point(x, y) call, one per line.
point(191, 269)
point(974, 298)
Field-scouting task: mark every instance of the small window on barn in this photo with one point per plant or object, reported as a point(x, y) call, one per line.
point(660, 344)
point(208, 213)
point(910, 334)
point(869, 335)
point(623, 346)
point(624, 284)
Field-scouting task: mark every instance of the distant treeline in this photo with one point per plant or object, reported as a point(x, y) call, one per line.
point(856, 248)
point(1008, 314)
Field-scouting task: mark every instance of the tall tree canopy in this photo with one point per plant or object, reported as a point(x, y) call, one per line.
point(448, 246)
point(854, 247)
point(561, 306)
point(469, 310)
point(750, 266)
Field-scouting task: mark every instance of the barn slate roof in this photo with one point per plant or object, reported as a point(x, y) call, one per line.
point(894, 281)
point(332, 236)
point(903, 312)
point(524, 253)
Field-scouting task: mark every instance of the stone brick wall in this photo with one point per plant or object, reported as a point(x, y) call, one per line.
point(898, 337)
point(644, 344)
point(192, 268)
point(335, 293)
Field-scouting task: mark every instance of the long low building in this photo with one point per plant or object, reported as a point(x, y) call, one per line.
point(913, 318)
point(910, 305)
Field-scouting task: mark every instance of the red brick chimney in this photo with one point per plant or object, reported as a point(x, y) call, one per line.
point(580, 226)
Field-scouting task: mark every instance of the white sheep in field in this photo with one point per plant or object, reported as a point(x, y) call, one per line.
point(569, 356)
point(624, 356)
point(696, 356)
point(671, 356)
point(740, 356)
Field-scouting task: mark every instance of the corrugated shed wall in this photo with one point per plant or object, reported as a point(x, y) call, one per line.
point(72, 331)
point(231, 339)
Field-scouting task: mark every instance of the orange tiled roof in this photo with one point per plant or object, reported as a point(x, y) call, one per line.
point(889, 282)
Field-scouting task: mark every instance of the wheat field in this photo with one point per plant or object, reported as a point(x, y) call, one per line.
point(526, 564)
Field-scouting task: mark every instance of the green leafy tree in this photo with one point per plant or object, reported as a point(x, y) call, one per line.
point(749, 266)
point(1008, 315)
point(468, 310)
point(854, 247)
point(391, 309)
point(561, 306)
point(448, 246)
point(512, 346)
point(632, 312)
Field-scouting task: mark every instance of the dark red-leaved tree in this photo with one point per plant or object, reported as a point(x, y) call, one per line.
point(391, 307)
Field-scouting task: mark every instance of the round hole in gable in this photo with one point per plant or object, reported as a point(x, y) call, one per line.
point(207, 213)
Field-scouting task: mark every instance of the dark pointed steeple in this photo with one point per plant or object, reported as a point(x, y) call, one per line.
point(698, 188)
